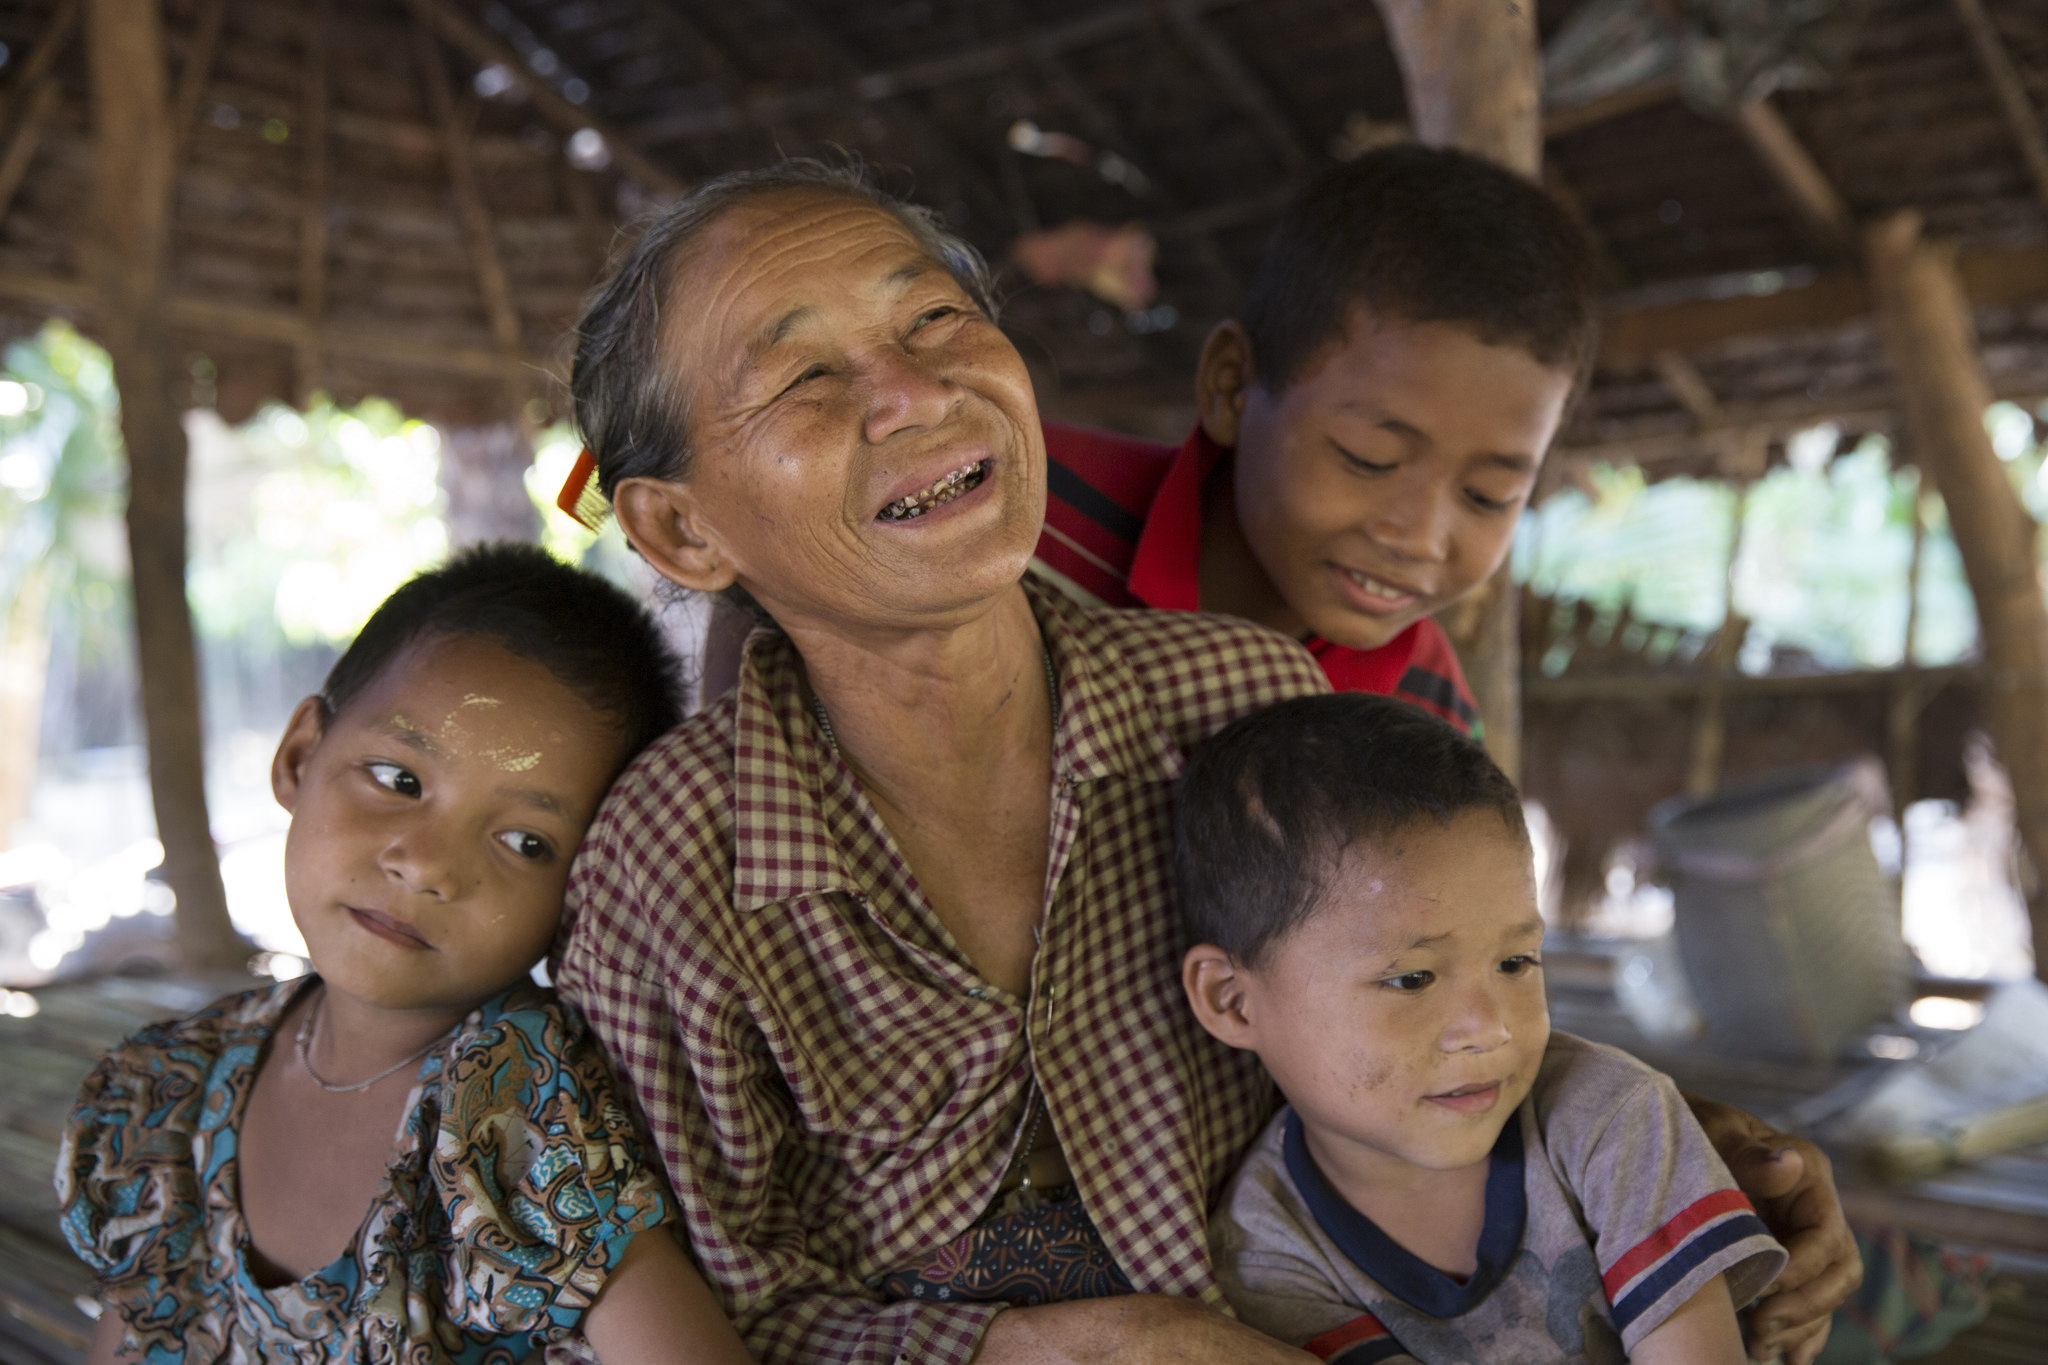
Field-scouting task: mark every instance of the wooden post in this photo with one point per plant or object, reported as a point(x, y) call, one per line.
point(1474, 78)
point(1929, 336)
point(1908, 695)
point(1475, 82)
point(132, 210)
point(1710, 720)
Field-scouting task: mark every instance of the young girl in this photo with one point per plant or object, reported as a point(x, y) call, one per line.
point(217, 1169)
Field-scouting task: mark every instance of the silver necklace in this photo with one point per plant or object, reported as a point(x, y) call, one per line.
point(307, 1027)
point(1052, 692)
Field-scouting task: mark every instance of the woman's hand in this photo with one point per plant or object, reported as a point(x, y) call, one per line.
point(1131, 1329)
point(1792, 1184)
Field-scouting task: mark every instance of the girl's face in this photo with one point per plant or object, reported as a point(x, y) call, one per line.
point(433, 821)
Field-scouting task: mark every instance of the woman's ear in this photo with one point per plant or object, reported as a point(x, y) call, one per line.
point(1217, 989)
point(662, 520)
point(1223, 379)
point(302, 735)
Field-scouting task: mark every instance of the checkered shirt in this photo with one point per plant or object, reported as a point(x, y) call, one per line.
point(836, 1092)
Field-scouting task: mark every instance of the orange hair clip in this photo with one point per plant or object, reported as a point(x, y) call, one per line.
point(580, 498)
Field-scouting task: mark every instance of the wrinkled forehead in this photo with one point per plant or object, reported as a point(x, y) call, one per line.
point(777, 256)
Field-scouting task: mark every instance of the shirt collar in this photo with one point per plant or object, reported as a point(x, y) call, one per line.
point(1166, 565)
point(800, 824)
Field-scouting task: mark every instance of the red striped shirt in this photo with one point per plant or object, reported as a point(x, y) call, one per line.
point(1123, 527)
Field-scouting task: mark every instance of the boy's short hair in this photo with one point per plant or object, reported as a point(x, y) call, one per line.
point(1423, 234)
point(598, 641)
point(1270, 802)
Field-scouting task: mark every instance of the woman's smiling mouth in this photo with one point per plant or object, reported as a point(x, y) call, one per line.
point(937, 493)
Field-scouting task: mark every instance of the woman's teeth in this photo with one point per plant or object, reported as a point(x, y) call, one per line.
point(936, 493)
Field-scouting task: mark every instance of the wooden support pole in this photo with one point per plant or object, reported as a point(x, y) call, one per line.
point(1821, 210)
point(1474, 77)
point(313, 209)
point(1475, 82)
point(2020, 114)
point(1925, 320)
point(1710, 720)
point(132, 212)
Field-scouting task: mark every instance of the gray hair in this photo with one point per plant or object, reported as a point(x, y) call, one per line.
point(633, 416)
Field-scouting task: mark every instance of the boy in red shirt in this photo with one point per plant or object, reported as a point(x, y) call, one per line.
point(1368, 432)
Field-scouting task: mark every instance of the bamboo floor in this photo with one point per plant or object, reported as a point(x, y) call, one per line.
point(2000, 1204)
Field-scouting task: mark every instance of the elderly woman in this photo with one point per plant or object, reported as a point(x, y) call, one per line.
point(881, 940)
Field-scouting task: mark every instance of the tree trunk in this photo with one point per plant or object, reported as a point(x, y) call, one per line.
point(1932, 344)
point(483, 474)
point(1475, 82)
point(132, 208)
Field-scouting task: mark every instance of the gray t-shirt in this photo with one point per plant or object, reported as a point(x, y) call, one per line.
point(1606, 1210)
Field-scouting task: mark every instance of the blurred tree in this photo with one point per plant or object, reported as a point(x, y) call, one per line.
point(61, 543)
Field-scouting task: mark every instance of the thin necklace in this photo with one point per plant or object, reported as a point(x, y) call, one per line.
point(310, 1023)
point(1052, 692)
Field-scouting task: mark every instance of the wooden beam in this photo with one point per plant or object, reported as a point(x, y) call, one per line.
point(486, 50)
point(313, 212)
point(1561, 122)
point(1925, 321)
point(42, 58)
point(1613, 275)
point(470, 209)
point(1689, 387)
point(1474, 81)
point(131, 217)
point(197, 71)
point(1573, 688)
point(767, 108)
point(1238, 80)
point(33, 100)
point(24, 137)
point(801, 25)
point(1635, 337)
point(2020, 114)
point(204, 316)
point(1820, 208)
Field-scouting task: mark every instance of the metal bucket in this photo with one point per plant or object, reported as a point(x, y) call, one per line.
point(1789, 929)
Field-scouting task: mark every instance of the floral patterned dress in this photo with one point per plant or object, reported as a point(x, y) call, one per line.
point(516, 1183)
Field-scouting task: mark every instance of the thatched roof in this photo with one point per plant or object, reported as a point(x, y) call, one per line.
point(1220, 105)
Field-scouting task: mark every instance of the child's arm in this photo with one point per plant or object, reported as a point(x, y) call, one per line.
point(106, 1338)
point(1702, 1332)
point(655, 1307)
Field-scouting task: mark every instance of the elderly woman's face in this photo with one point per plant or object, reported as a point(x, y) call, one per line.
point(867, 448)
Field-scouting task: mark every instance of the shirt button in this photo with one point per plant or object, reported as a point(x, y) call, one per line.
point(978, 993)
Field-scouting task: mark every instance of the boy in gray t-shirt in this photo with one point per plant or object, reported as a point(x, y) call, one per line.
point(1451, 1182)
